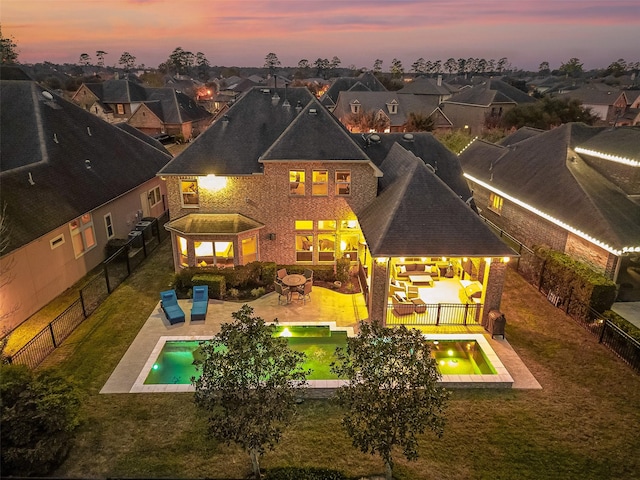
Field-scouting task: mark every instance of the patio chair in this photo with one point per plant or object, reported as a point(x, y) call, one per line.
point(308, 274)
point(283, 291)
point(304, 291)
point(170, 307)
point(200, 302)
point(282, 273)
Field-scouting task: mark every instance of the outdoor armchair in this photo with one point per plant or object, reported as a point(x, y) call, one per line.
point(170, 307)
point(200, 302)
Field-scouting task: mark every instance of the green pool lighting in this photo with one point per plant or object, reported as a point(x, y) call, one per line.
point(286, 333)
point(156, 366)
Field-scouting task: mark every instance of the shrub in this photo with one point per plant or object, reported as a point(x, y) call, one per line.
point(216, 283)
point(623, 324)
point(39, 414)
point(342, 269)
point(257, 292)
point(234, 292)
point(303, 473)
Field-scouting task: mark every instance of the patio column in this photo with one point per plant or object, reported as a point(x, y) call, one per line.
point(379, 289)
point(494, 277)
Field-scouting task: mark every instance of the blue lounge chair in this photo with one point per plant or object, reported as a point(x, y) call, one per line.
point(170, 307)
point(200, 302)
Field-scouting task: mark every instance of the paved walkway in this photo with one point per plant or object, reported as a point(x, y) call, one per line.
point(630, 311)
point(326, 306)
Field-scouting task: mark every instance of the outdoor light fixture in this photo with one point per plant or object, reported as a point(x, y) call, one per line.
point(381, 259)
point(487, 260)
point(506, 259)
point(212, 182)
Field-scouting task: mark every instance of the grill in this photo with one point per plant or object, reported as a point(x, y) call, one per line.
point(495, 323)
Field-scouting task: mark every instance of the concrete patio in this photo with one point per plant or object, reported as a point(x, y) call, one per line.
point(326, 306)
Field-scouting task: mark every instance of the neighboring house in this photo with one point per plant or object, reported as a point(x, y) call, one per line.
point(70, 182)
point(365, 82)
point(607, 102)
point(475, 107)
point(574, 188)
point(152, 110)
point(437, 90)
point(279, 179)
point(390, 110)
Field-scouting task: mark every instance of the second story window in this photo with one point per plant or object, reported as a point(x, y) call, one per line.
point(355, 106)
point(320, 182)
point(343, 182)
point(495, 203)
point(190, 197)
point(82, 234)
point(120, 109)
point(296, 182)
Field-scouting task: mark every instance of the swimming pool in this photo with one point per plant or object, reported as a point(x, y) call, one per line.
point(463, 360)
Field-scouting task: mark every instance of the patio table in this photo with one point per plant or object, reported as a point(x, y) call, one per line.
point(294, 280)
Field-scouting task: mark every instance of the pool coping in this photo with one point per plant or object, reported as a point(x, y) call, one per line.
point(501, 379)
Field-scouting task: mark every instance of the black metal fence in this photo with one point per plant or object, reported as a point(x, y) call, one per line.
point(115, 270)
point(531, 268)
point(434, 314)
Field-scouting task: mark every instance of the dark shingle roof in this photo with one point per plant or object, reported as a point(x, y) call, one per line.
point(367, 81)
point(427, 86)
point(418, 215)
point(542, 172)
point(424, 146)
point(519, 135)
point(59, 161)
point(233, 144)
point(490, 92)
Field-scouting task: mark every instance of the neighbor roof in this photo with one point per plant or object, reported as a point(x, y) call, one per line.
point(490, 92)
point(545, 173)
point(60, 161)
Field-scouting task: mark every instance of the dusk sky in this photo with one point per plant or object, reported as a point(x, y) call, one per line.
point(242, 32)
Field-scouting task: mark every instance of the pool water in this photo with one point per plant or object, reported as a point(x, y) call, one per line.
point(176, 362)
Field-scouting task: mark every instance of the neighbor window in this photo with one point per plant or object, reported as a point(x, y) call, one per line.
point(190, 197)
point(304, 248)
point(326, 247)
point(495, 203)
point(183, 252)
point(108, 225)
point(120, 109)
point(154, 196)
point(343, 182)
point(296, 182)
point(83, 236)
point(349, 246)
point(304, 225)
point(56, 241)
point(327, 225)
point(355, 106)
point(249, 249)
point(320, 182)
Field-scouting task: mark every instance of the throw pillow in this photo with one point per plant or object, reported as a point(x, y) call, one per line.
point(403, 269)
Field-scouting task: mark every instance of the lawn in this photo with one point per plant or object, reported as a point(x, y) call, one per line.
point(583, 424)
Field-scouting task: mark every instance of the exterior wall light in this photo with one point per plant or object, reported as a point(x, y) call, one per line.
point(212, 182)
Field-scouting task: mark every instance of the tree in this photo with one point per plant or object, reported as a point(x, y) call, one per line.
point(321, 65)
point(100, 56)
point(392, 394)
point(304, 64)
point(335, 63)
point(617, 68)
point(39, 414)
point(419, 66)
point(547, 113)
point(8, 50)
point(502, 65)
point(450, 65)
point(418, 122)
point(573, 68)
point(127, 61)
point(544, 69)
point(377, 66)
point(271, 62)
point(203, 66)
point(396, 68)
point(366, 122)
point(249, 384)
point(85, 59)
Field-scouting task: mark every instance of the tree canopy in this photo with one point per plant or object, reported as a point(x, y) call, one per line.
point(249, 384)
point(8, 50)
point(547, 113)
point(392, 395)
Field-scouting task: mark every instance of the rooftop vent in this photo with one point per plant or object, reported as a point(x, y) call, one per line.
point(299, 106)
point(375, 138)
point(89, 131)
point(313, 111)
point(47, 95)
point(265, 91)
point(55, 138)
point(408, 137)
point(87, 164)
point(31, 182)
point(430, 167)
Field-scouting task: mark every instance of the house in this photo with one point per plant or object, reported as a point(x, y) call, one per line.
point(390, 111)
point(70, 183)
point(574, 188)
point(152, 110)
point(473, 108)
point(365, 82)
point(279, 179)
point(607, 102)
point(435, 89)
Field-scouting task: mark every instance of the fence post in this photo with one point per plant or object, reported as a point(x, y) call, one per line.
point(604, 325)
point(106, 278)
point(544, 262)
point(53, 337)
point(126, 256)
point(84, 312)
point(438, 316)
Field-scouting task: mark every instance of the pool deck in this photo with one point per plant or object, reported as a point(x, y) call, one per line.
point(326, 306)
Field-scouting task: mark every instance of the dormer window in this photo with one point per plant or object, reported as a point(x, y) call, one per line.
point(355, 106)
point(392, 107)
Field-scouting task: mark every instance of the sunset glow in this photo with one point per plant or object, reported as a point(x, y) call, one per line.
point(242, 32)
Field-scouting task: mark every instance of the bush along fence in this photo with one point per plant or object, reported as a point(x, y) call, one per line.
point(123, 258)
point(583, 294)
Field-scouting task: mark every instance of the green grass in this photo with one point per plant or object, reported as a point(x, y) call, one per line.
point(583, 424)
